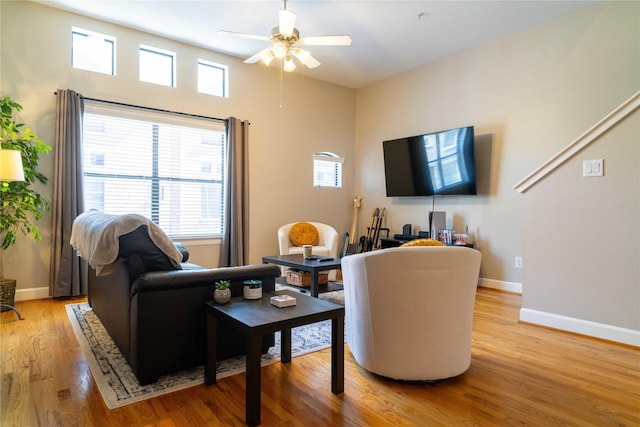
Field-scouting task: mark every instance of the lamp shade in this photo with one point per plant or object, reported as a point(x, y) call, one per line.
point(288, 65)
point(279, 49)
point(11, 165)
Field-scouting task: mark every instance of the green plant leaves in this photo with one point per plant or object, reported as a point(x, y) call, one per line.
point(21, 205)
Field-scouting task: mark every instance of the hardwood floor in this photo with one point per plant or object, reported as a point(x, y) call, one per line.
point(520, 374)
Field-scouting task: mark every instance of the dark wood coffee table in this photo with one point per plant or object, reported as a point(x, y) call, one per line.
point(255, 318)
point(298, 262)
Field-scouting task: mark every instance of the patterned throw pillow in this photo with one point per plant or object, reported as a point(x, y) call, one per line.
point(423, 242)
point(303, 233)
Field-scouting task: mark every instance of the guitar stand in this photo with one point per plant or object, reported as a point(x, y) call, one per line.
point(386, 230)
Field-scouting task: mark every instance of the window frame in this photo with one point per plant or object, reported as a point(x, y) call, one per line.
point(161, 53)
point(93, 34)
point(327, 157)
point(157, 182)
point(225, 77)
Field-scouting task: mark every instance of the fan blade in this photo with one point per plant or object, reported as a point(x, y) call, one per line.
point(257, 57)
point(340, 40)
point(305, 58)
point(286, 22)
point(243, 35)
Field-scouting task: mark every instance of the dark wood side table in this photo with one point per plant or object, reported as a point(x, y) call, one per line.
point(255, 318)
point(298, 262)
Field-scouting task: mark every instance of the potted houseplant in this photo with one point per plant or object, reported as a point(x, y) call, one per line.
point(21, 206)
point(222, 294)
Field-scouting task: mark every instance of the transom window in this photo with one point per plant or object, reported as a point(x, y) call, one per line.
point(327, 170)
point(93, 51)
point(157, 66)
point(212, 78)
point(166, 167)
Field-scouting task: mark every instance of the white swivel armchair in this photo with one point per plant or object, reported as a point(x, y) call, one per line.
point(327, 243)
point(409, 310)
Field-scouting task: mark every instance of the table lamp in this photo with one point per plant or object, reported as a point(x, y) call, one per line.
point(11, 170)
point(11, 165)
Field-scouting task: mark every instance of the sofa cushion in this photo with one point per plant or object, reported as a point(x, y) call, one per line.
point(303, 233)
point(423, 242)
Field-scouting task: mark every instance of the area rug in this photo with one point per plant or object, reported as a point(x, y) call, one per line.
point(119, 386)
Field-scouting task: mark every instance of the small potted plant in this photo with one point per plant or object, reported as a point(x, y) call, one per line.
point(222, 294)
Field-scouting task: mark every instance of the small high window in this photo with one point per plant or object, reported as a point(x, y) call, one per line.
point(93, 51)
point(157, 66)
point(212, 78)
point(327, 170)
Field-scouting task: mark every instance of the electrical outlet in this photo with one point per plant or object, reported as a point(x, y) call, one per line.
point(518, 262)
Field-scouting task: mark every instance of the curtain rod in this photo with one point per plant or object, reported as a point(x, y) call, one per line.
point(160, 110)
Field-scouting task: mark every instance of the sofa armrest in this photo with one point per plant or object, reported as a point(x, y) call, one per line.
point(183, 250)
point(168, 310)
point(180, 279)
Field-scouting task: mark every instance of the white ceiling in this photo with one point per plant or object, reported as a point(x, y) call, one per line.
point(389, 37)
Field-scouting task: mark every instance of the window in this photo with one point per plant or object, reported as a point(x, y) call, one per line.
point(93, 51)
point(212, 78)
point(157, 66)
point(327, 170)
point(167, 167)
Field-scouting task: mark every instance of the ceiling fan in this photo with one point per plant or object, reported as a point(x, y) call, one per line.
point(286, 43)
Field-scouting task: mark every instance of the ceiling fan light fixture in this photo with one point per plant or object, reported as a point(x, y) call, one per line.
point(302, 55)
point(279, 49)
point(288, 65)
point(267, 57)
point(285, 40)
point(305, 57)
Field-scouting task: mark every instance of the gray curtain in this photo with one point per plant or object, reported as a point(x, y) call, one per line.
point(68, 273)
point(235, 234)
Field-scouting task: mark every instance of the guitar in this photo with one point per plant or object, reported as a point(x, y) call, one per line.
point(349, 247)
point(366, 242)
point(376, 233)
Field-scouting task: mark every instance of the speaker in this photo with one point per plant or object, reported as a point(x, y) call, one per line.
point(406, 229)
point(437, 221)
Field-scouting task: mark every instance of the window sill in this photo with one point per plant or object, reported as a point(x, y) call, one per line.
point(198, 241)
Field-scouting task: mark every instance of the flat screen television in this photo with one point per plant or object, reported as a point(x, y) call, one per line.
point(438, 163)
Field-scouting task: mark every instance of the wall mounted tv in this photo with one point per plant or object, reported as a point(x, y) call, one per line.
point(438, 163)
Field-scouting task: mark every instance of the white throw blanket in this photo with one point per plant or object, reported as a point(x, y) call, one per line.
point(95, 235)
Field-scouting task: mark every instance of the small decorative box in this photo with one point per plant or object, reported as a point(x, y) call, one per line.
point(283, 301)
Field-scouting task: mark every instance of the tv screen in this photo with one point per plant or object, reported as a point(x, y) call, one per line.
point(437, 163)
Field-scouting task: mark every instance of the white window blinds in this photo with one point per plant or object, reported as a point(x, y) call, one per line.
point(167, 167)
point(327, 170)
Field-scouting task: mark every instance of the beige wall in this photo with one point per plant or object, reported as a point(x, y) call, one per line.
point(529, 95)
point(589, 264)
point(315, 116)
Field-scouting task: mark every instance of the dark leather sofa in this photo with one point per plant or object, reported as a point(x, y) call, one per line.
point(155, 313)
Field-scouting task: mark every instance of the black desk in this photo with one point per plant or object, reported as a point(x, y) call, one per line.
point(394, 243)
point(255, 318)
point(298, 262)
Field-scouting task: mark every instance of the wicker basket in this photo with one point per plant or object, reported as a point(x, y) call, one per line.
point(303, 278)
point(7, 293)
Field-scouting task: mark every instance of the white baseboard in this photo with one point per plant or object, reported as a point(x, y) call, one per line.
point(501, 285)
point(579, 326)
point(31, 293)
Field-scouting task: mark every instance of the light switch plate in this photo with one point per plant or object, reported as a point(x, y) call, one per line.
point(593, 167)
